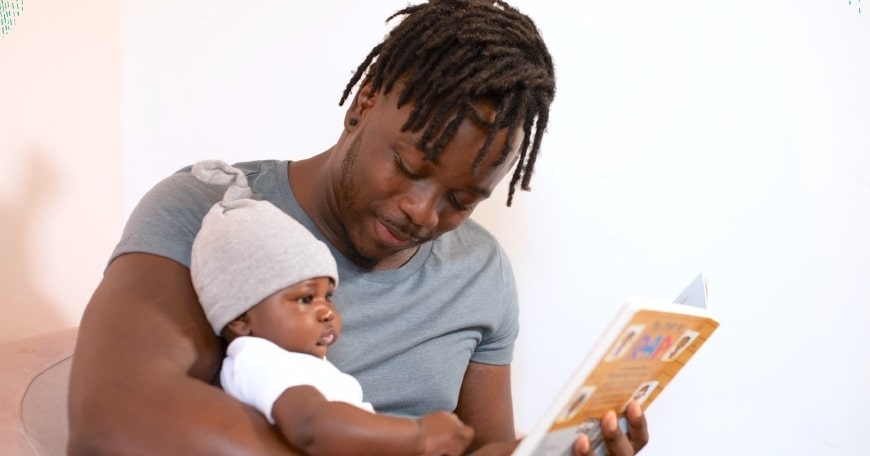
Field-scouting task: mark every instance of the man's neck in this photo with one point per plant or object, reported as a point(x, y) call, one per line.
point(311, 184)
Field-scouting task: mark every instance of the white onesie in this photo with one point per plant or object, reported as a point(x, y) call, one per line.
point(256, 372)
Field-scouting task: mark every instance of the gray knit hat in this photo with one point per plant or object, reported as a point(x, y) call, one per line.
point(247, 250)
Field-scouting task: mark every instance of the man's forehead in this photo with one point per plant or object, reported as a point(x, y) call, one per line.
point(411, 140)
point(483, 109)
point(482, 114)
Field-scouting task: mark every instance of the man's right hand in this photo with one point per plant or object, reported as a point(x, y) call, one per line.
point(443, 433)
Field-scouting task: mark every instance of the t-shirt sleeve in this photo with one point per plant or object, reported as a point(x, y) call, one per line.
point(168, 217)
point(497, 345)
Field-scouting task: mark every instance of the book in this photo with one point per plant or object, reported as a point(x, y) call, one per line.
point(642, 349)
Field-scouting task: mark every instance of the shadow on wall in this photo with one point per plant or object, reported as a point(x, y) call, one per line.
point(27, 311)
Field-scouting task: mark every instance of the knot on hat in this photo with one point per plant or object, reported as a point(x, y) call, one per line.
point(220, 173)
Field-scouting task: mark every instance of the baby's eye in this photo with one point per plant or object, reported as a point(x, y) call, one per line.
point(305, 299)
point(329, 297)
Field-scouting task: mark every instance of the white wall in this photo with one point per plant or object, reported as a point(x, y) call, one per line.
point(208, 79)
point(60, 141)
point(724, 137)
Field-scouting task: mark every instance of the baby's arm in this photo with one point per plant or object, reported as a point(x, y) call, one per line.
point(316, 426)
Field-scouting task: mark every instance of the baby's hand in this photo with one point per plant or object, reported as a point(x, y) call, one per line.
point(443, 434)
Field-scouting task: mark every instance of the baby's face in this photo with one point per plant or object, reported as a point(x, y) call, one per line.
point(299, 318)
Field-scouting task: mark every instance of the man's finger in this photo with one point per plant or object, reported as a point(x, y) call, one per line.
point(615, 440)
point(582, 446)
point(637, 431)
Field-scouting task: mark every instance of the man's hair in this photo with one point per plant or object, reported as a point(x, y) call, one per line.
point(448, 55)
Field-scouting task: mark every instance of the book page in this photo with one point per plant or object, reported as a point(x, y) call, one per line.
point(696, 294)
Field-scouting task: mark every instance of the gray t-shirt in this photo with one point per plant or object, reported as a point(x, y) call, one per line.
point(409, 333)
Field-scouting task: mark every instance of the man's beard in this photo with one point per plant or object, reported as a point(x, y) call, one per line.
point(347, 186)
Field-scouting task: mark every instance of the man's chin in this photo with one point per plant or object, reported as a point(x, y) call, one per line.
point(362, 261)
point(378, 255)
point(373, 261)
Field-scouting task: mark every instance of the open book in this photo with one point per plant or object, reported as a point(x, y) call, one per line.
point(640, 352)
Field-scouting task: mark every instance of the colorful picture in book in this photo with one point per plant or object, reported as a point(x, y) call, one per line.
point(684, 341)
point(624, 342)
point(576, 403)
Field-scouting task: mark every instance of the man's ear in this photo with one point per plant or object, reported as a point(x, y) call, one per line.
point(237, 328)
point(361, 103)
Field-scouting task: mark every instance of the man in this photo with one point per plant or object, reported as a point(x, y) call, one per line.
point(456, 97)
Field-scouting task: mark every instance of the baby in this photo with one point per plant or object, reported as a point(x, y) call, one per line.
point(265, 283)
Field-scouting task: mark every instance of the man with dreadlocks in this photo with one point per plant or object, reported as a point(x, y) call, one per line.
point(455, 97)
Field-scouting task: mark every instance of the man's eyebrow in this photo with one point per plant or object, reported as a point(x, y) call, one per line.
point(410, 141)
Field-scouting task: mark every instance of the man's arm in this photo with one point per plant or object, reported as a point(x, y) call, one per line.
point(485, 403)
point(141, 372)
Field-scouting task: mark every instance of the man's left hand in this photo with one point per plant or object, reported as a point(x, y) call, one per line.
point(618, 443)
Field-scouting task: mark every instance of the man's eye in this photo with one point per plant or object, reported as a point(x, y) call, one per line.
point(404, 169)
point(459, 205)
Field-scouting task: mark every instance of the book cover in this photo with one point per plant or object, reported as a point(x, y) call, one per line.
point(644, 347)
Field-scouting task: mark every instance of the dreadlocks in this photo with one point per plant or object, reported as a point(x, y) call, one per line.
point(448, 55)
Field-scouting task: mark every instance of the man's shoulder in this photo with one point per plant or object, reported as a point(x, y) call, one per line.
point(168, 216)
point(470, 240)
point(470, 234)
point(248, 167)
point(254, 167)
point(183, 182)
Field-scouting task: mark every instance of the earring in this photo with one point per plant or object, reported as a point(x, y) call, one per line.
point(352, 121)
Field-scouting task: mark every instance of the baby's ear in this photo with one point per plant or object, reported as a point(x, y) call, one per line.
point(237, 328)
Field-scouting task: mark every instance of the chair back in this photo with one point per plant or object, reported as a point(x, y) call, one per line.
point(34, 383)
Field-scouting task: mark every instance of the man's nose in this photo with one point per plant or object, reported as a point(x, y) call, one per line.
point(421, 205)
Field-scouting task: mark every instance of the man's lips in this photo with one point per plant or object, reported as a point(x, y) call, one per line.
point(392, 236)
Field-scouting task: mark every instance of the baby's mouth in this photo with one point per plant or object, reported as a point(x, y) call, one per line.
point(327, 338)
